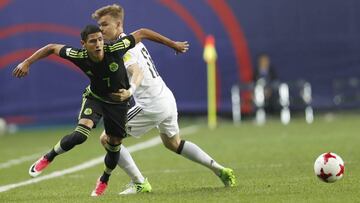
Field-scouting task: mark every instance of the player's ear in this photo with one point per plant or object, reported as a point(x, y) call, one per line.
point(119, 24)
point(82, 43)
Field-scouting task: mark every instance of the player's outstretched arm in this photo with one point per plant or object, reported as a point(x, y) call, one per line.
point(22, 69)
point(179, 47)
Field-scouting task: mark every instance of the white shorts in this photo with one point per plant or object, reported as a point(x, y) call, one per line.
point(162, 115)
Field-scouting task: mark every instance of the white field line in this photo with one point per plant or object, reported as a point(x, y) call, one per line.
point(20, 160)
point(93, 162)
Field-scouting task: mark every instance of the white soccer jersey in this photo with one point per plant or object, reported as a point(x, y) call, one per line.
point(152, 87)
point(155, 105)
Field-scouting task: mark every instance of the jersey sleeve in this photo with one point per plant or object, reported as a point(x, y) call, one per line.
point(72, 54)
point(130, 57)
point(122, 45)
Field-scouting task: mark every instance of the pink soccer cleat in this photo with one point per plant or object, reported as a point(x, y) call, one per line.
point(38, 167)
point(99, 189)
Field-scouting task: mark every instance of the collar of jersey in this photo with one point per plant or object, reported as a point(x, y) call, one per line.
point(122, 35)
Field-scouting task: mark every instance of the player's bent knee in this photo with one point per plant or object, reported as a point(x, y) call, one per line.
point(114, 140)
point(87, 122)
point(169, 146)
point(103, 138)
point(171, 143)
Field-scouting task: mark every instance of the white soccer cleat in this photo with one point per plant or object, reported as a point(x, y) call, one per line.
point(134, 188)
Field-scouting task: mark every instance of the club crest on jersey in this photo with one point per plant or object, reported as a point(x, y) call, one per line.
point(113, 67)
point(88, 111)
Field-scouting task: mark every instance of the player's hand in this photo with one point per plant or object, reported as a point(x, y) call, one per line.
point(21, 70)
point(121, 95)
point(181, 47)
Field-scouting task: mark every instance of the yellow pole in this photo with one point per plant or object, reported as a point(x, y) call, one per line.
point(210, 57)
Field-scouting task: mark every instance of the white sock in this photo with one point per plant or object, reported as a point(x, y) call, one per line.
point(127, 163)
point(193, 152)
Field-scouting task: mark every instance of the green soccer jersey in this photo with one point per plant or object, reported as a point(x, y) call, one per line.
point(106, 76)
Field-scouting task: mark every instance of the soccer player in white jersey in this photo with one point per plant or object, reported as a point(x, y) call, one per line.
point(155, 106)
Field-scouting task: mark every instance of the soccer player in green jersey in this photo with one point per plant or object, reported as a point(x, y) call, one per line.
point(103, 64)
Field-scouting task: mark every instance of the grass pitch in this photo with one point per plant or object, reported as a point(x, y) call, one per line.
point(273, 163)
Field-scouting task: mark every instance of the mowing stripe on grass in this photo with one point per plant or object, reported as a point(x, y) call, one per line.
point(20, 160)
point(93, 162)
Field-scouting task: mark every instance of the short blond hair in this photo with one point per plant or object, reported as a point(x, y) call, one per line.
point(115, 11)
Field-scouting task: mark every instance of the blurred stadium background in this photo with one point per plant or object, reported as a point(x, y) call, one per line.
point(313, 41)
point(317, 43)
